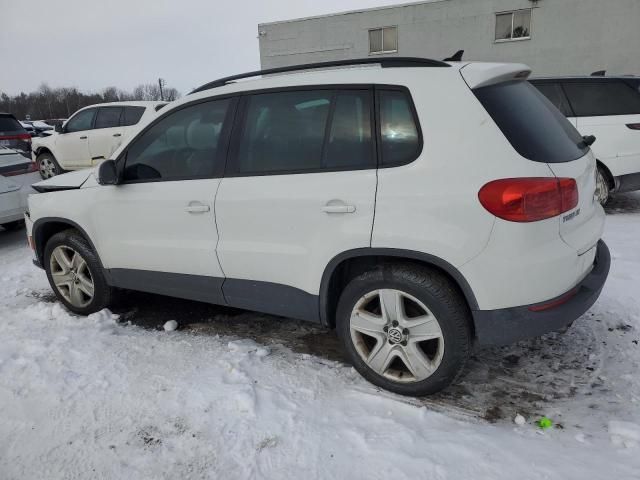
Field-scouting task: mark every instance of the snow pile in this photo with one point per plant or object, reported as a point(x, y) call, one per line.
point(88, 397)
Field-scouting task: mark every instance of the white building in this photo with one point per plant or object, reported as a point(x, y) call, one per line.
point(570, 37)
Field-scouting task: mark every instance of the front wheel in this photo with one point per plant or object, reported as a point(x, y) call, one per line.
point(405, 328)
point(75, 273)
point(48, 166)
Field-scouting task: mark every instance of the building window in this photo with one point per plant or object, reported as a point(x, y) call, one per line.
point(383, 40)
point(513, 25)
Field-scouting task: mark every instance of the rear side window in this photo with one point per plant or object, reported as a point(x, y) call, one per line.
point(399, 136)
point(131, 116)
point(535, 128)
point(591, 99)
point(303, 131)
point(9, 124)
point(108, 117)
point(553, 91)
point(185, 144)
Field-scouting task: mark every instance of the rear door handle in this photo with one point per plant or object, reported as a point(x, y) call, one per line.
point(117, 134)
point(84, 137)
point(339, 208)
point(197, 207)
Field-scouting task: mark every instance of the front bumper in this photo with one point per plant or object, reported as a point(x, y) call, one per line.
point(509, 325)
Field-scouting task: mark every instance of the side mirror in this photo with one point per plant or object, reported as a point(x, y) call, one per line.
point(589, 140)
point(58, 127)
point(108, 173)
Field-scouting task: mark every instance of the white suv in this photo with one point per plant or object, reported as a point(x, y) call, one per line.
point(90, 136)
point(609, 109)
point(416, 206)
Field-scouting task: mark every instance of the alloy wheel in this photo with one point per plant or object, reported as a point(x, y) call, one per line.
point(397, 336)
point(47, 168)
point(71, 276)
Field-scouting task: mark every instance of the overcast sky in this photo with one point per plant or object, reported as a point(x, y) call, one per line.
point(92, 44)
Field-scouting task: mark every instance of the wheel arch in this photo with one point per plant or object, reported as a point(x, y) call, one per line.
point(351, 263)
point(44, 149)
point(45, 228)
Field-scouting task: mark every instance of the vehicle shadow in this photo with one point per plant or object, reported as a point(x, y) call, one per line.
point(624, 203)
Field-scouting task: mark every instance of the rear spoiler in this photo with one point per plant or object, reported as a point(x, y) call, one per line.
point(479, 75)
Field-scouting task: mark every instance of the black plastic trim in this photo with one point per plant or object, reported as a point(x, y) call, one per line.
point(191, 287)
point(390, 252)
point(52, 188)
point(271, 298)
point(384, 62)
point(509, 325)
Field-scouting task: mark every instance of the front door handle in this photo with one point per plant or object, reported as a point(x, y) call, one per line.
point(84, 137)
point(197, 207)
point(339, 208)
point(117, 134)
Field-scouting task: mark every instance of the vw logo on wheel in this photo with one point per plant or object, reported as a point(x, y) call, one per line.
point(395, 335)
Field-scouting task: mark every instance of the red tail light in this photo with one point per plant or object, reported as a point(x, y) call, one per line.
point(529, 199)
point(634, 126)
point(22, 136)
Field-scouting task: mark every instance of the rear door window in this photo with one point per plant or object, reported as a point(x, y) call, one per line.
point(592, 99)
point(108, 117)
point(555, 94)
point(536, 129)
point(305, 131)
point(131, 116)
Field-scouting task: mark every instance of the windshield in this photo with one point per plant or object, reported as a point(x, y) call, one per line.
point(532, 124)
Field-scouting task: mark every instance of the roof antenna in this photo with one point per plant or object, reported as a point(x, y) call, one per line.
point(599, 73)
point(456, 57)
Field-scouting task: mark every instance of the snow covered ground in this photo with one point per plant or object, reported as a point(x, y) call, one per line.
point(238, 395)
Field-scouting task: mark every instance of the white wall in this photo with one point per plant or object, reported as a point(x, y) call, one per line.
point(571, 37)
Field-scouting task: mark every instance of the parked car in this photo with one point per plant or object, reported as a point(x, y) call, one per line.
point(29, 128)
point(609, 109)
point(90, 136)
point(38, 126)
point(262, 195)
point(13, 135)
point(17, 174)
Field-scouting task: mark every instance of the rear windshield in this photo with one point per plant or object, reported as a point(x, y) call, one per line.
point(534, 127)
point(9, 124)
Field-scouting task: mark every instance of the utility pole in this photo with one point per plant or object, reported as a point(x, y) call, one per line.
point(161, 83)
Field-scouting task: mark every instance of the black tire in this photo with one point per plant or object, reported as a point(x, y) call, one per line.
point(439, 295)
point(48, 166)
point(17, 225)
point(603, 187)
point(102, 291)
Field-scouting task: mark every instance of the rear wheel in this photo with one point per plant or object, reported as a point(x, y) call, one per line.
point(75, 273)
point(603, 192)
point(48, 166)
point(405, 329)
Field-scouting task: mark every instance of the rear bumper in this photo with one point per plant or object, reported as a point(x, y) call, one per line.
point(509, 325)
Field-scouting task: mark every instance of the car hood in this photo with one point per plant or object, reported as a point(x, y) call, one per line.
point(66, 181)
